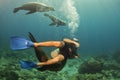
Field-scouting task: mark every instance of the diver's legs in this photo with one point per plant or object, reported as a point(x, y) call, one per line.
point(49, 44)
point(40, 54)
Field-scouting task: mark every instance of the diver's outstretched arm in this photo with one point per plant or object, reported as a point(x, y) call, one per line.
point(71, 41)
point(49, 44)
point(52, 61)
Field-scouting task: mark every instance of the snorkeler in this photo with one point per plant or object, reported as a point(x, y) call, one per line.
point(66, 49)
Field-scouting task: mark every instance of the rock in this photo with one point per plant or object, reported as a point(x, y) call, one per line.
point(91, 66)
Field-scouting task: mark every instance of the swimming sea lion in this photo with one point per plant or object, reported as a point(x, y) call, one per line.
point(55, 20)
point(33, 7)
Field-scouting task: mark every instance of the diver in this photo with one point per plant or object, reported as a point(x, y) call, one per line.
point(66, 49)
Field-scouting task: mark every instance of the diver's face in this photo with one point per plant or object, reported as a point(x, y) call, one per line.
point(76, 56)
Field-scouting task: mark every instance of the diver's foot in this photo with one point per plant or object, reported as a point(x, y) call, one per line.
point(29, 44)
point(35, 44)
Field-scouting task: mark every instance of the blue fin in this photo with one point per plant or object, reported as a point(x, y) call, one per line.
point(28, 64)
point(18, 43)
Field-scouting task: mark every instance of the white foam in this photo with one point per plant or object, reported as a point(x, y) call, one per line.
point(72, 15)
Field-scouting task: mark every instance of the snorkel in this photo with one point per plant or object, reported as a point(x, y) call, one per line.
point(75, 39)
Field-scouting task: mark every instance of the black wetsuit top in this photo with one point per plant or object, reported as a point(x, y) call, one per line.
point(66, 52)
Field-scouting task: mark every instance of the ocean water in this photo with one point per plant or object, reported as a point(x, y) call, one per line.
point(96, 23)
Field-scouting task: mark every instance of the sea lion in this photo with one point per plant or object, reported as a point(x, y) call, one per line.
point(33, 7)
point(55, 20)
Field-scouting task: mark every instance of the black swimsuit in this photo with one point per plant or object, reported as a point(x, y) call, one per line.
point(65, 50)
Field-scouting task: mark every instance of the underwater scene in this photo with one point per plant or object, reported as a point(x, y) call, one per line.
point(93, 24)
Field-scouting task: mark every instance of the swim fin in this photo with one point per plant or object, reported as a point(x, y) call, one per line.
point(18, 43)
point(28, 64)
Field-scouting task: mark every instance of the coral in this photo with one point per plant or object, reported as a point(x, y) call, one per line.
point(86, 77)
point(8, 75)
point(90, 66)
point(101, 67)
point(103, 75)
point(102, 57)
point(116, 56)
point(98, 68)
point(111, 65)
point(11, 75)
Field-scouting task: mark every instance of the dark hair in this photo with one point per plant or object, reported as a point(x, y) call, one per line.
point(73, 51)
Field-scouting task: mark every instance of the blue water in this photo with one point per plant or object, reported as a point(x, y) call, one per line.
point(98, 26)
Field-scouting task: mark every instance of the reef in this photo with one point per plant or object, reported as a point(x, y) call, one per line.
point(100, 67)
point(116, 56)
point(11, 70)
point(91, 66)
